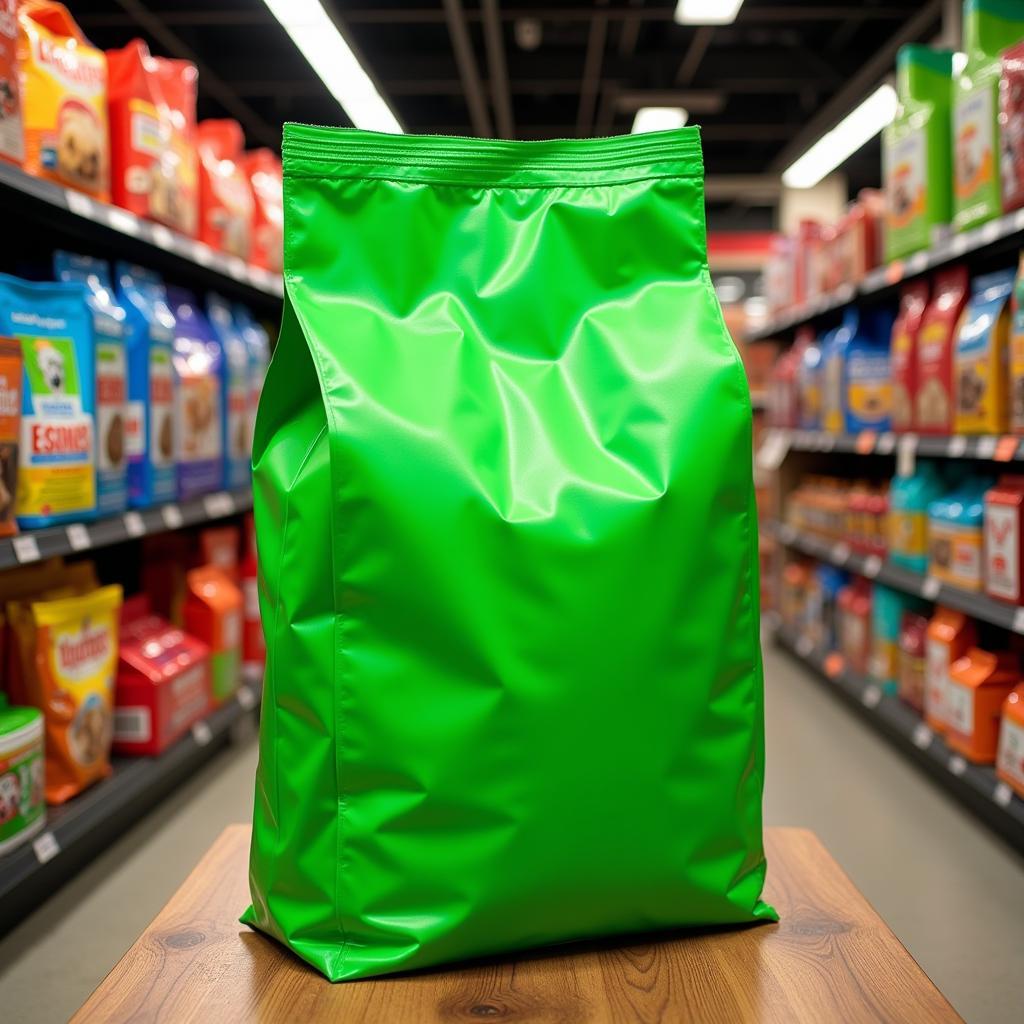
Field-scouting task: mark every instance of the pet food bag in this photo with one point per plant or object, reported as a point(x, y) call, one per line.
point(225, 195)
point(110, 327)
point(22, 807)
point(197, 362)
point(11, 386)
point(154, 166)
point(57, 469)
point(64, 100)
point(234, 393)
point(149, 425)
point(264, 170)
point(12, 139)
point(258, 343)
point(508, 562)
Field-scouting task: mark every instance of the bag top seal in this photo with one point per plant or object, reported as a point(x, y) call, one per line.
point(313, 151)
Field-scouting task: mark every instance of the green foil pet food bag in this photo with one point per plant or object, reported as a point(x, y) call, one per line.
point(505, 519)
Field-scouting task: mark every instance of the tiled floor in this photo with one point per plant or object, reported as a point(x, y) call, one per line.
point(949, 889)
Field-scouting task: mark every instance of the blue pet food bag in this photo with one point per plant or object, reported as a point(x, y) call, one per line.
point(258, 343)
point(150, 428)
point(236, 436)
point(56, 465)
point(109, 330)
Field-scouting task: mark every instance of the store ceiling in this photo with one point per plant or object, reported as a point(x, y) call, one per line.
point(761, 88)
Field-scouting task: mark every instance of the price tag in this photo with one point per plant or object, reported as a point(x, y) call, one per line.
point(201, 733)
point(219, 504)
point(46, 847)
point(906, 455)
point(894, 272)
point(956, 446)
point(123, 221)
point(246, 698)
point(957, 765)
point(172, 517)
point(78, 537)
point(203, 254)
point(1018, 621)
point(886, 443)
point(1006, 448)
point(865, 443)
point(871, 696)
point(991, 231)
point(1018, 220)
point(833, 665)
point(872, 566)
point(773, 449)
point(958, 245)
point(134, 524)
point(930, 588)
point(917, 263)
point(237, 268)
point(162, 237)
point(1002, 794)
point(922, 736)
point(986, 447)
point(80, 204)
point(843, 294)
point(26, 549)
point(804, 646)
point(841, 553)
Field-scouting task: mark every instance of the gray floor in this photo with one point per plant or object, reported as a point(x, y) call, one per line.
point(950, 890)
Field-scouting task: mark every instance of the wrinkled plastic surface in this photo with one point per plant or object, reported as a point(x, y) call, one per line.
point(506, 530)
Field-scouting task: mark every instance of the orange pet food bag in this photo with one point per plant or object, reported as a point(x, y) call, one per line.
point(264, 170)
point(69, 653)
point(154, 171)
point(64, 100)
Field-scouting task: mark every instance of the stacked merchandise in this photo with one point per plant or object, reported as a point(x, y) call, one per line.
point(121, 126)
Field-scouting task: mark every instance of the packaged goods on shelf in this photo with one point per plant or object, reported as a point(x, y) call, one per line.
point(913, 633)
point(858, 244)
point(57, 471)
point(981, 357)
point(165, 560)
point(916, 154)
point(233, 373)
point(903, 355)
point(258, 343)
point(68, 651)
point(979, 683)
point(1011, 127)
point(1004, 539)
point(12, 140)
point(867, 391)
point(1016, 367)
point(783, 409)
point(833, 357)
point(909, 498)
point(154, 164)
point(989, 28)
point(936, 341)
point(213, 613)
point(150, 421)
point(951, 634)
point(854, 615)
point(808, 380)
point(11, 385)
point(218, 546)
point(22, 803)
point(1010, 749)
point(109, 332)
point(63, 100)
point(197, 361)
point(263, 167)
point(254, 650)
point(163, 681)
point(887, 609)
point(225, 194)
point(955, 534)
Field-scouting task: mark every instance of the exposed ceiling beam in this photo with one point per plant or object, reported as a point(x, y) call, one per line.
point(591, 81)
point(466, 62)
point(874, 69)
point(498, 73)
point(630, 32)
point(257, 129)
point(694, 55)
point(696, 101)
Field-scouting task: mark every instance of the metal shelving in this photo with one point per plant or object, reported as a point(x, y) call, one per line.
point(998, 234)
point(975, 786)
point(995, 447)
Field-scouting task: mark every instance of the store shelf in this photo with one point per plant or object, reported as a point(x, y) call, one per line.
point(838, 553)
point(997, 234)
point(85, 826)
point(34, 545)
point(976, 786)
point(994, 447)
point(138, 239)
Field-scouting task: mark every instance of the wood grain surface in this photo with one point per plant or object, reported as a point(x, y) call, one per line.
point(830, 959)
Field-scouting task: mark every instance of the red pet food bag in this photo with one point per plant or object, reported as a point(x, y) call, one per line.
point(934, 405)
point(1011, 127)
point(152, 136)
point(225, 195)
point(264, 170)
point(12, 140)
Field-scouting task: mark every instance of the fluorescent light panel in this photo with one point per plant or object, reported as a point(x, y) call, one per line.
point(658, 119)
point(707, 12)
point(320, 42)
point(857, 128)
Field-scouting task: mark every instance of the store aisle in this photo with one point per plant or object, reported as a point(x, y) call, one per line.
point(932, 871)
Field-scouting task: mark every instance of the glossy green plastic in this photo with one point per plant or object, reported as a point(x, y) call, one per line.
point(505, 519)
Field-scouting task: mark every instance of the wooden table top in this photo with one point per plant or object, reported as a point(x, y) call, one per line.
point(830, 959)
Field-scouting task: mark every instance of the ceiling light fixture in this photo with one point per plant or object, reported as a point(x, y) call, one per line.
point(833, 148)
point(658, 119)
point(329, 55)
point(707, 12)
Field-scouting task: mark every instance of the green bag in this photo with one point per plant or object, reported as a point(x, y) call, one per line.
point(505, 517)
